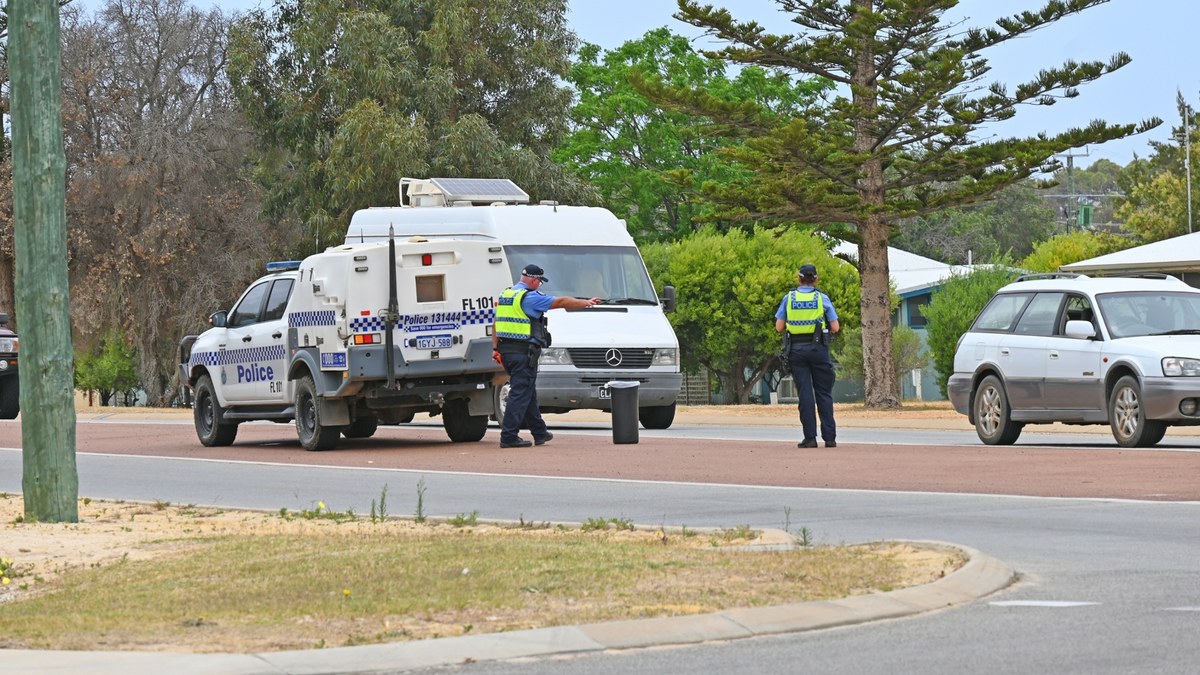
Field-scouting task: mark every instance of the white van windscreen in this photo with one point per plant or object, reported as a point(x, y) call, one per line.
point(615, 274)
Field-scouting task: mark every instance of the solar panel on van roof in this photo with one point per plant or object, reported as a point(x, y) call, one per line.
point(480, 190)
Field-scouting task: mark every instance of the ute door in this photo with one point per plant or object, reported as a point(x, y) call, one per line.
point(254, 361)
point(235, 351)
point(269, 342)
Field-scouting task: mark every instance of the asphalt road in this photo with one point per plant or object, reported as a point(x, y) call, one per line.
point(1105, 539)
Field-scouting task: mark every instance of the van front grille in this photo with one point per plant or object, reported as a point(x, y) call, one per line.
point(612, 357)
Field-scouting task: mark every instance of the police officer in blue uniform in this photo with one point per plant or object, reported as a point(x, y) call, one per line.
point(518, 337)
point(806, 314)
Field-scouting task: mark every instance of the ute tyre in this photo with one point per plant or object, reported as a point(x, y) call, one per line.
point(657, 416)
point(992, 415)
point(10, 397)
point(313, 434)
point(461, 426)
point(1127, 416)
point(207, 413)
point(362, 427)
point(499, 402)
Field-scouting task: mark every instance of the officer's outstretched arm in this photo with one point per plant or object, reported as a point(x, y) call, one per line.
point(573, 303)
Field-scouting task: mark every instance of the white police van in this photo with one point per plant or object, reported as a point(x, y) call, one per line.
point(586, 252)
point(351, 338)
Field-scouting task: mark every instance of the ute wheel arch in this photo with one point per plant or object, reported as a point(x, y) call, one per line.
point(207, 415)
point(461, 426)
point(313, 432)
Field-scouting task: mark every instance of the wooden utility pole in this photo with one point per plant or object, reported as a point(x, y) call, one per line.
point(50, 480)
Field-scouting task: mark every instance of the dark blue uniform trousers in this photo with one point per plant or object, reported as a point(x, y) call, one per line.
point(522, 408)
point(812, 371)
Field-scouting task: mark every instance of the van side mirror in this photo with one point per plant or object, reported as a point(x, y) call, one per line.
point(217, 319)
point(3, 318)
point(668, 299)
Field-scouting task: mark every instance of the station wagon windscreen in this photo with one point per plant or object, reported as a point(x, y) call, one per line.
point(615, 273)
point(1132, 314)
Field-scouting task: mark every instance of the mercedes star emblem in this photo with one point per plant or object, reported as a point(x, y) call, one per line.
point(613, 357)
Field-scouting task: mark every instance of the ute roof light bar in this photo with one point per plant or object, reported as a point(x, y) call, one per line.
point(283, 266)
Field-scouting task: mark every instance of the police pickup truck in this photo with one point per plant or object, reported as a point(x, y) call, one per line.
point(351, 338)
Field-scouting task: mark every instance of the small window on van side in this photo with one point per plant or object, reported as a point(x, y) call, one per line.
point(1000, 315)
point(431, 288)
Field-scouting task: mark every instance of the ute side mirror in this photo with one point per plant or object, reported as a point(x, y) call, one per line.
point(217, 319)
point(668, 299)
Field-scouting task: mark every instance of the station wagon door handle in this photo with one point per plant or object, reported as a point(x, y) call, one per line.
point(1053, 355)
point(1004, 351)
point(246, 339)
point(277, 334)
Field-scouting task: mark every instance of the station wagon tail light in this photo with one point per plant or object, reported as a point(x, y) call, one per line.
point(1174, 366)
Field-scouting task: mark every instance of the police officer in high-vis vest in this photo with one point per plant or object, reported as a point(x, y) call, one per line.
point(809, 318)
point(518, 337)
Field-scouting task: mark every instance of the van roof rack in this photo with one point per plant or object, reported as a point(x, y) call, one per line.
point(1048, 275)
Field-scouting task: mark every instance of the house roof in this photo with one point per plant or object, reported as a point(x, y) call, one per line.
point(910, 273)
point(1177, 254)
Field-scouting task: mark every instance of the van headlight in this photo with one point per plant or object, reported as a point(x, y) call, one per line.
point(1175, 366)
point(665, 357)
point(555, 356)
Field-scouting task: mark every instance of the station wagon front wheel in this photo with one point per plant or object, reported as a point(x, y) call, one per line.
point(992, 415)
point(1127, 416)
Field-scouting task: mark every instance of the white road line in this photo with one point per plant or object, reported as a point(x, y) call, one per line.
point(1041, 603)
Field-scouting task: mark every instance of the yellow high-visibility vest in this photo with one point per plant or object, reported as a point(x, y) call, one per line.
point(511, 320)
point(805, 311)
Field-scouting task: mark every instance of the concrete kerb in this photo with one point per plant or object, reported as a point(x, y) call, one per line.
point(980, 576)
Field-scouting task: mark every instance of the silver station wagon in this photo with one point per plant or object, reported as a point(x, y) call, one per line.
point(1122, 351)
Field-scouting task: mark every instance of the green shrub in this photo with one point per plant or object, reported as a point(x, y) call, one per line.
point(954, 307)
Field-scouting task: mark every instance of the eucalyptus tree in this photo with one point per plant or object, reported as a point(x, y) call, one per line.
point(162, 214)
point(350, 97)
point(898, 138)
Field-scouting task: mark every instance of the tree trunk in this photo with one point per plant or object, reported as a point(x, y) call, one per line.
point(50, 478)
point(879, 376)
point(879, 373)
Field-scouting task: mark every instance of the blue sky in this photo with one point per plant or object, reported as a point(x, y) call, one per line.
point(1160, 35)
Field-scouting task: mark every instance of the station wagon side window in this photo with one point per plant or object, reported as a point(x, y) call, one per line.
point(1001, 313)
point(1041, 316)
point(250, 307)
point(1078, 308)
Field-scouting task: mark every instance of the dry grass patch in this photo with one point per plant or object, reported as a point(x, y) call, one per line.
point(207, 580)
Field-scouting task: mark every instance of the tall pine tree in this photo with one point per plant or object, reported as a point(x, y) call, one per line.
point(896, 141)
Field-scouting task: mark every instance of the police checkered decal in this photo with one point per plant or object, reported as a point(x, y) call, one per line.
point(325, 317)
point(374, 324)
point(366, 324)
point(232, 357)
point(478, 316)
